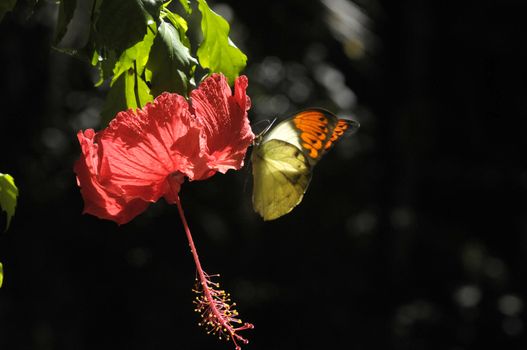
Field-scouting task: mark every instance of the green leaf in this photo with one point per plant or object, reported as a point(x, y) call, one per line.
point(115, 100)
point(8, 196)
point(170, 61)
point(128, 91)
point(137, 91)
point(186, 5)
point(105, 64)
point(1, 274)
point(66, 10)
point(6, 6)
point(217, 52)
point(121, 24)
point(153, 7)
point(181, 25)
point(137, 54)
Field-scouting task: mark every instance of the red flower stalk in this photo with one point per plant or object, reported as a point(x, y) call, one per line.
point(146, 154)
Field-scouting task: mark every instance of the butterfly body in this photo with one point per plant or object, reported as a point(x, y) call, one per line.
point(284, 157)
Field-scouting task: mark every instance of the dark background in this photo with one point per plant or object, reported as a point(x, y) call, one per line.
point(413, 234)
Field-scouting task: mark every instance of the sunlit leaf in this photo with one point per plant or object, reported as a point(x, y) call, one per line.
point(66, 10)
point(8, 196)
point(128, 91)
point(180, 24)
point(186, 5)
point(217, 52)
point(1, 274)
point(170, 61)
point(141, 95)
point(137, 54)
point(6, 6)
point(95, 58)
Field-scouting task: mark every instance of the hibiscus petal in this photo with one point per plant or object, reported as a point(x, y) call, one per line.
point(98, 200)
point(223, 117)
point(142, 148)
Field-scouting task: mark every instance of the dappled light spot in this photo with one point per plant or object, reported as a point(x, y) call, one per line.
point(54, 139)
point(468, 296)
point(351, 26)
point(411, 315)
point(510, 305)
point(495, 268)
point(362, 223)
point(402, 218)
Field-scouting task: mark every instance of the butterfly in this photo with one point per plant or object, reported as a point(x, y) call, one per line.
point(283, 158)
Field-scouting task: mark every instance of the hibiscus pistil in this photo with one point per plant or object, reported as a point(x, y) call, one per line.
point(213, 304)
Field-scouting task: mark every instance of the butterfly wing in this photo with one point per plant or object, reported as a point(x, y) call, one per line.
point(309, 130)
point(344, 126)
point(284, 157)
point(281, 175)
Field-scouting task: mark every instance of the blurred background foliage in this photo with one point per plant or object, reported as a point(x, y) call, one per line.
point(413, 234)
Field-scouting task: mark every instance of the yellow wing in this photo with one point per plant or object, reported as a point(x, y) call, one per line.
point(281, 174)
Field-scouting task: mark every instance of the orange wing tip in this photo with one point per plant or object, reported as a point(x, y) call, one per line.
point(344, 126)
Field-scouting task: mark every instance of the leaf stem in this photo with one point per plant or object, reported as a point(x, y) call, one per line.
point(136, 87)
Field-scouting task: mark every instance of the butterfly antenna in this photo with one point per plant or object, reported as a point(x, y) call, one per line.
point(260, 134)
point(268, 126)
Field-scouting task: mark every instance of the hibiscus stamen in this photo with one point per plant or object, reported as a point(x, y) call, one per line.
point(214, 305)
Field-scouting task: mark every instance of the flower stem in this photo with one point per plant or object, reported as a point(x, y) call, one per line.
point(214, 305)
point(190, 240)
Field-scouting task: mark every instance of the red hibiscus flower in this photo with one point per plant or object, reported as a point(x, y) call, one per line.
point(144, 155)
